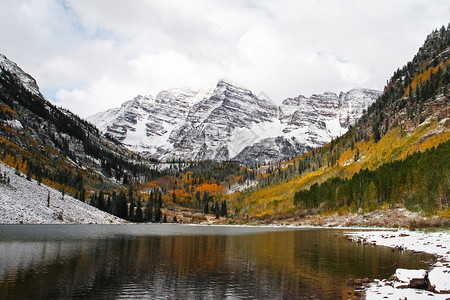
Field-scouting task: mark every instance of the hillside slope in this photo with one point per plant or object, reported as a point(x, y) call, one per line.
point(54, 145)
point(25, 201)
point(411, 116)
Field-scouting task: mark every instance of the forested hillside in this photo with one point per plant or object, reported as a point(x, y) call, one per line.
point(56, 147)
point(391, 157)
point(417, 182)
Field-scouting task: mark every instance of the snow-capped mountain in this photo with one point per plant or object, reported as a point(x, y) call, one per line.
point(230, 122)
point(306, 123)
point(212, 123)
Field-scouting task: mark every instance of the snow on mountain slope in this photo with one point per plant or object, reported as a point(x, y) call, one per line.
point(144, 124)
point(27, 81)
point(121, 122)
point(327, 111)
point(248, 136)
point(23, 201)
point(230, 122)
point(212, 122)
point(354, 102)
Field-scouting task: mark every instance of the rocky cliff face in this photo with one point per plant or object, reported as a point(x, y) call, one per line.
point(230, 122)
point(307, 123)
point(122, 122)
point(213, 121)
point(326, 112)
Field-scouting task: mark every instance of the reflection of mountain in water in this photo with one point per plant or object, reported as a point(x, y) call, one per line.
point(273, 264)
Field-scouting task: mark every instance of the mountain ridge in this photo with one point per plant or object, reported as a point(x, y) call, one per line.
point(27, 81)
point(229, 122)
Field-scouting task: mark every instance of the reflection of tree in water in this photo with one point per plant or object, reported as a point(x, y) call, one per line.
point(286, 264)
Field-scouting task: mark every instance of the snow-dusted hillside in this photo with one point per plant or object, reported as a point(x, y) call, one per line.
point(23, 201)
point(53, 138)
point(230, 122)
point(26, 80)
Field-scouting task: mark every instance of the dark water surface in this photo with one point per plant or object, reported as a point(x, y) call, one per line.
point(186, 262)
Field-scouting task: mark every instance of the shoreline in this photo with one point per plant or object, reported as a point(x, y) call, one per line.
point(281, 226)
point(398, 286)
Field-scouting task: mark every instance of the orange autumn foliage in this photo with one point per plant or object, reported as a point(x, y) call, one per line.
point(7, 109)
point(210, 188)
point(180, 193)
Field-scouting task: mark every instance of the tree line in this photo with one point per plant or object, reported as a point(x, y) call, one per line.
point(129, 207)
point(420, 182)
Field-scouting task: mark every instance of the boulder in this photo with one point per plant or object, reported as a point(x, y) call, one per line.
point(417, 279)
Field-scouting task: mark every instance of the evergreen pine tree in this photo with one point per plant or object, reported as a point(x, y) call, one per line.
point(113, 209)
point(197, 199)
point(101, 201)
point(174, 197)
point(160, 200)
point(130, 192)
point(121, 206)
point(217, 210)
point(131, 210)
point(158, 213)
point(109, 204)
point(83, 195)
point(148, 213)
point(93, 201)
point(205, 202)
point(206, 208)
point(223, 209)
point(138, 216)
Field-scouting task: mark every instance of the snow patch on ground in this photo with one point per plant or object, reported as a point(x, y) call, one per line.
point(381, 291)
point(239, 187)
point(437, 243)
point(25, 202)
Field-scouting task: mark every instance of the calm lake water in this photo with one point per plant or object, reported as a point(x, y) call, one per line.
point(186, 262)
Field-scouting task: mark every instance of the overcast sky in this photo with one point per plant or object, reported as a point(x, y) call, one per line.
point(91, 55)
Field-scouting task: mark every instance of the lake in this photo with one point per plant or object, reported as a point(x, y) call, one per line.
point(169, 261)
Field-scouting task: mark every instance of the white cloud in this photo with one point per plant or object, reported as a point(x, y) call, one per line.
point(89, 55)
point(83, 101)
point(351, 72)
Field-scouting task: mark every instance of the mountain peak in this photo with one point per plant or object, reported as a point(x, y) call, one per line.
point(142, 99)
point(138, 101)
point(226, 81)
point(27, 81)
point(228, 121)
